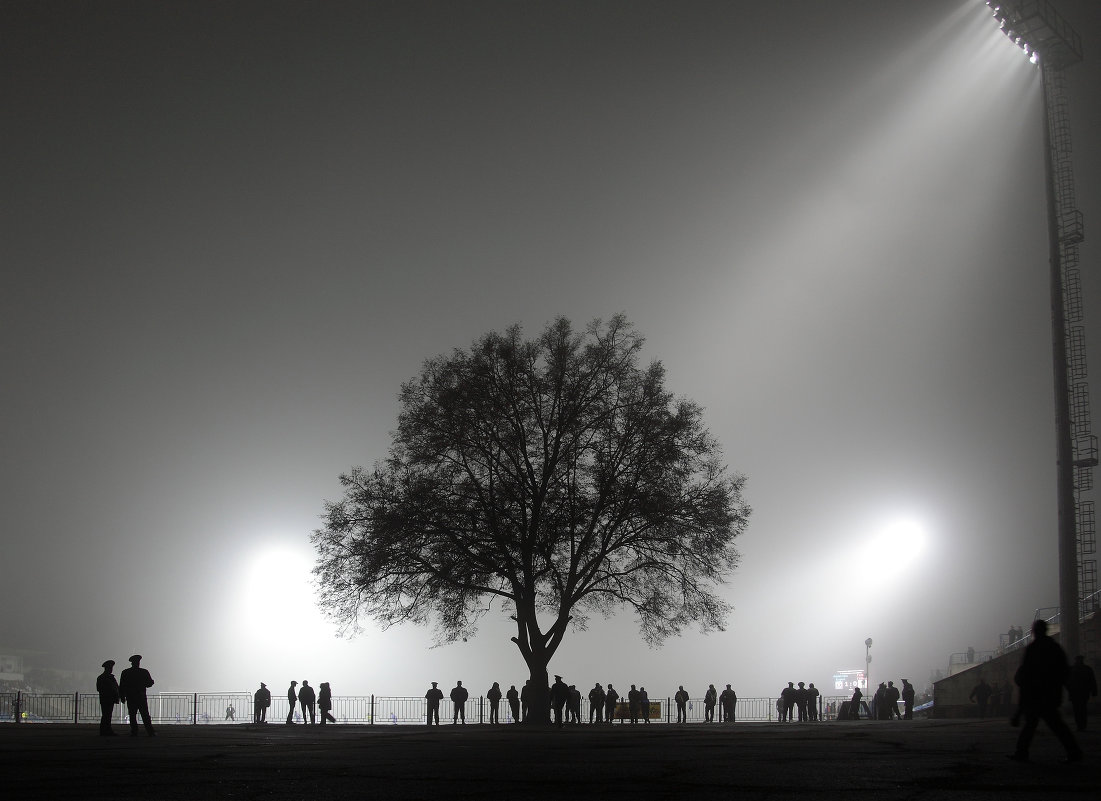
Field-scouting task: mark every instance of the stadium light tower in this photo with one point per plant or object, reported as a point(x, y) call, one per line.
point(1047, 39)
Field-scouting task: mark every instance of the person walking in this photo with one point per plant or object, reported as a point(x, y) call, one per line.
point(292, 699)
point(433, 697)
point(325, 703)
point(261, 700)
point(459, 695)
point(107, 687)
point(681, 698)
point(133, 683)
point(1041, 677)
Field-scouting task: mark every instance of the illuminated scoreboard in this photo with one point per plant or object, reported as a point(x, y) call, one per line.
point(846, 680)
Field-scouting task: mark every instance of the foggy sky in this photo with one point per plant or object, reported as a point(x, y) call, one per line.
point(231, 230)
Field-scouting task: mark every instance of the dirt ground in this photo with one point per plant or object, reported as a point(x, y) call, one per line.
point(850, 761)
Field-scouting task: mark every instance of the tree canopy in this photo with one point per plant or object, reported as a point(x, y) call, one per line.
point(555, 476)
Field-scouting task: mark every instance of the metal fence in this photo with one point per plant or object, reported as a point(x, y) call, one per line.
point(237, 707)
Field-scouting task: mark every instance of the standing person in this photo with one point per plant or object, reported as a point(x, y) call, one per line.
point(801, 701)
point(632, 704)
point(459, 695)
point(854, 704)
point(597, 696)
point(908, 699)
point(513, 703)
point(980, 694)
point(892, 697)
point(325, 703)
point(108, 688)
point(710, 699)
point(133, 682)
point(610, 700)
point(787, 697)
point(728, 699)
point(231, 713)
point(261, 700)
point(292, 699)
point(494, 696)
point(812, 702)
point(525, 700)
point(1041, 676)
point(559, 695)
point(682, 704)
point(1081, 684)
point(433, 697)
point(644, 704)
point(575, 704)
point(307, 699)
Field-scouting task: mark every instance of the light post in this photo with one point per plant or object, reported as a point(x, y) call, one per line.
point(868, 665)
point(1035, 27)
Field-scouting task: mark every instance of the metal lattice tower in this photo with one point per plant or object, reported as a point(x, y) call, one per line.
point(1037, 28)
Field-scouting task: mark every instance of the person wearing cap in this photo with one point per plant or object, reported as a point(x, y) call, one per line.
point(908, 700)
point(292, 699)
point(133, 682)
point(433, 697)
point(261, 700)
point(108, 688)
point(559, 695)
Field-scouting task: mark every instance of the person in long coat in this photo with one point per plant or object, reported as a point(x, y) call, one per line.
point(261, 700)
point(108, 688)
point(133, 682)
point(325, 703)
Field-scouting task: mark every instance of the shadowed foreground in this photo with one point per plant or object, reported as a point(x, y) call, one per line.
point(861, 760)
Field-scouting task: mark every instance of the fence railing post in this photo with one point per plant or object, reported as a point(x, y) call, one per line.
point(481, 709)
point(18, 706)
point(372, 715)
point(194, 709)
point(76, 707)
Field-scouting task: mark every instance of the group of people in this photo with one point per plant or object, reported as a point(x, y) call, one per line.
point(130, 689)
point(801, 699)
point(884, 703)
point(310, 702)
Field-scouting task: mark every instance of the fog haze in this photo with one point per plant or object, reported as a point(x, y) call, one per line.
point(230, 231)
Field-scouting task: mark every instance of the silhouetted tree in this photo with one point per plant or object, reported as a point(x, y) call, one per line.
point(555, 476)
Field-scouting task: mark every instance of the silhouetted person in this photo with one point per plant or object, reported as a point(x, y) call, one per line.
point(980, 694)
point(1041, 676)
point(559, 696)
point(1081, 684)
point(525, 699)
point(459, 695)
point(494, 696)
point(513, 697)
point(575, 704)
point(433, 697)
point(728, 699)
point(908, 699)
point(710, 699)
point(597, 696)
point(644, 704)
point(231, 713)
point(307, 700)
point(292, 699)
point(879, 702)
point(610, 699)
point(632, 704)
point(108, 688)
point(812, 702)
point(854, 704)
point(787, 696)
point(325, 703)
point(890, 701)
point(970, 654)
point(682, 704)
point(261, 700)
point(133, 682)
point(801, 701)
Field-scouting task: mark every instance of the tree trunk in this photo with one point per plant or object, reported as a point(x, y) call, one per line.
point(539, 694)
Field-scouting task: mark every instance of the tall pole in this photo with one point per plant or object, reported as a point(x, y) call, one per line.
point(1064, 453)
